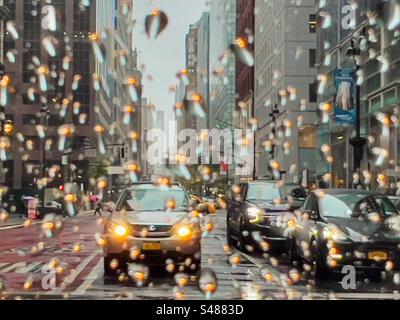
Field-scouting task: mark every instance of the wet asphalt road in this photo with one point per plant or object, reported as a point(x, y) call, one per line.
point(80, 273)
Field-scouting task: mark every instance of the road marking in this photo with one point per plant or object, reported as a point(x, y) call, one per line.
point(92, 277)
point(17, 226)
point(28, 268)
point(14, 266)
point(69, 279)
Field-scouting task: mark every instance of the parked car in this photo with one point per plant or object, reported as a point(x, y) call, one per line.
point(150, 225)
point(346, 227)
point(259, 210)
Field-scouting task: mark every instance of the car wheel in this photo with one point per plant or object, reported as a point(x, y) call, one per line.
point(243, 240)
point(109, 271)
point(321, 271)
point(196, 260)
point(293, 255)
point(229, 239)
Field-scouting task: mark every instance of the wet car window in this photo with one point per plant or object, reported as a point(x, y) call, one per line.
point(266, 192)
point(387, 206)
point(339, 206)
point(347, 206)
point(153, 200)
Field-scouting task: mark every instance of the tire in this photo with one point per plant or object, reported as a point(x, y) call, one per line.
point(197, 260)
point(293, 255)
point(229, 239)
point(321, 271)
point(243, 241)
point(108, 271)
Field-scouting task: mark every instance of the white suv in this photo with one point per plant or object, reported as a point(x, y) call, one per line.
point(151, 225)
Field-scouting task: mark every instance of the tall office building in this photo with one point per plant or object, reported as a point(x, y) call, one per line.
point(127, 71)
point(285, 77)
point(380, 90)
point(245, 73)
point(106, 24)
point(197, 66)
point(69, 76)
point(222, 64)
point(203, 67)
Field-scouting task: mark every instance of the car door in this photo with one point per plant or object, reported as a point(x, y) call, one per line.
point(235, 207)
point(307, 225)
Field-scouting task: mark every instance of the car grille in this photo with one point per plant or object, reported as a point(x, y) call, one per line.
point(151, 230)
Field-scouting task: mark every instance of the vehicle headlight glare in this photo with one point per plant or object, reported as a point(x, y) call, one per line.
point(254, 215)
point(120, 231)
point(184, 232)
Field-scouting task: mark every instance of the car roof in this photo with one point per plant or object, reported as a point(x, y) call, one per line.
point(262, 182)
point(151, 185)
point(348, 191)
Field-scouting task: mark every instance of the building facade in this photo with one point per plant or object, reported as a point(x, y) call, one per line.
point(30, 154)
point(245, 74)
point(380, 91)
point(222, 64)
point(284, 95)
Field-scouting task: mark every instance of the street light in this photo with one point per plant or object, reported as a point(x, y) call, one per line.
point(274, 115)
point(45, 114)
point(358, 142)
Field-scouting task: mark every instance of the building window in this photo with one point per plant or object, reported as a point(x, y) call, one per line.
point(313, 97)
point(313, 23)
point(308, 138)
point(30, 120)
point(312, 57)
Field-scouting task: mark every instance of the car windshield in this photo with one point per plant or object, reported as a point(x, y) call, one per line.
point(264, 192)
point(355, 205)
point(152, 198)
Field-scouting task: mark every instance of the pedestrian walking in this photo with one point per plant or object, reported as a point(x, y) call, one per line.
point(98, 209)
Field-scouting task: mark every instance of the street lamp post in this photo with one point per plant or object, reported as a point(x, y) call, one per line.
point(274, 114)
point(357, 142)
point(45, 113)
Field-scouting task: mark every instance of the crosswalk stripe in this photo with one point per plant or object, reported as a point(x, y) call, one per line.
point(2, 264)
point(28, 268)
point(94, 274)
point(69, 279)
point(14, 266)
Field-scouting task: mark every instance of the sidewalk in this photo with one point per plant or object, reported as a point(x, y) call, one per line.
point(15, 221)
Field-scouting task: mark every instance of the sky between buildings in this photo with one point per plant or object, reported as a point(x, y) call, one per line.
point(165, 56)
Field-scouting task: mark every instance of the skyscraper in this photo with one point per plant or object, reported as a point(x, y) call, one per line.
point(68, 74)
point(285, 92)
point(222, 64)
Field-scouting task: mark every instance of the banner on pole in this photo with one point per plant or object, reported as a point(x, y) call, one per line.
point(345, 99)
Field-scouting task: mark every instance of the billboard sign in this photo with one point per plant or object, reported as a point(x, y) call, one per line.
point(345, 99)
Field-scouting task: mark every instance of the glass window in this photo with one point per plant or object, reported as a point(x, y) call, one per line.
point(152, 198)
point(264, 192)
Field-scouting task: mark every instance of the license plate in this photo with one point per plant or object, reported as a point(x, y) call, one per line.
point(151, 246)
point(378, 256)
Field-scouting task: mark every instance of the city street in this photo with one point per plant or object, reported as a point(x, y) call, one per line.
point(82, 277)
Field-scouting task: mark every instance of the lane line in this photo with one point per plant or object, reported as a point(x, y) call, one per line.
point(71, 278)
point(28, 268)
point(14, 266)
point(17, 226)
point(92, 277)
